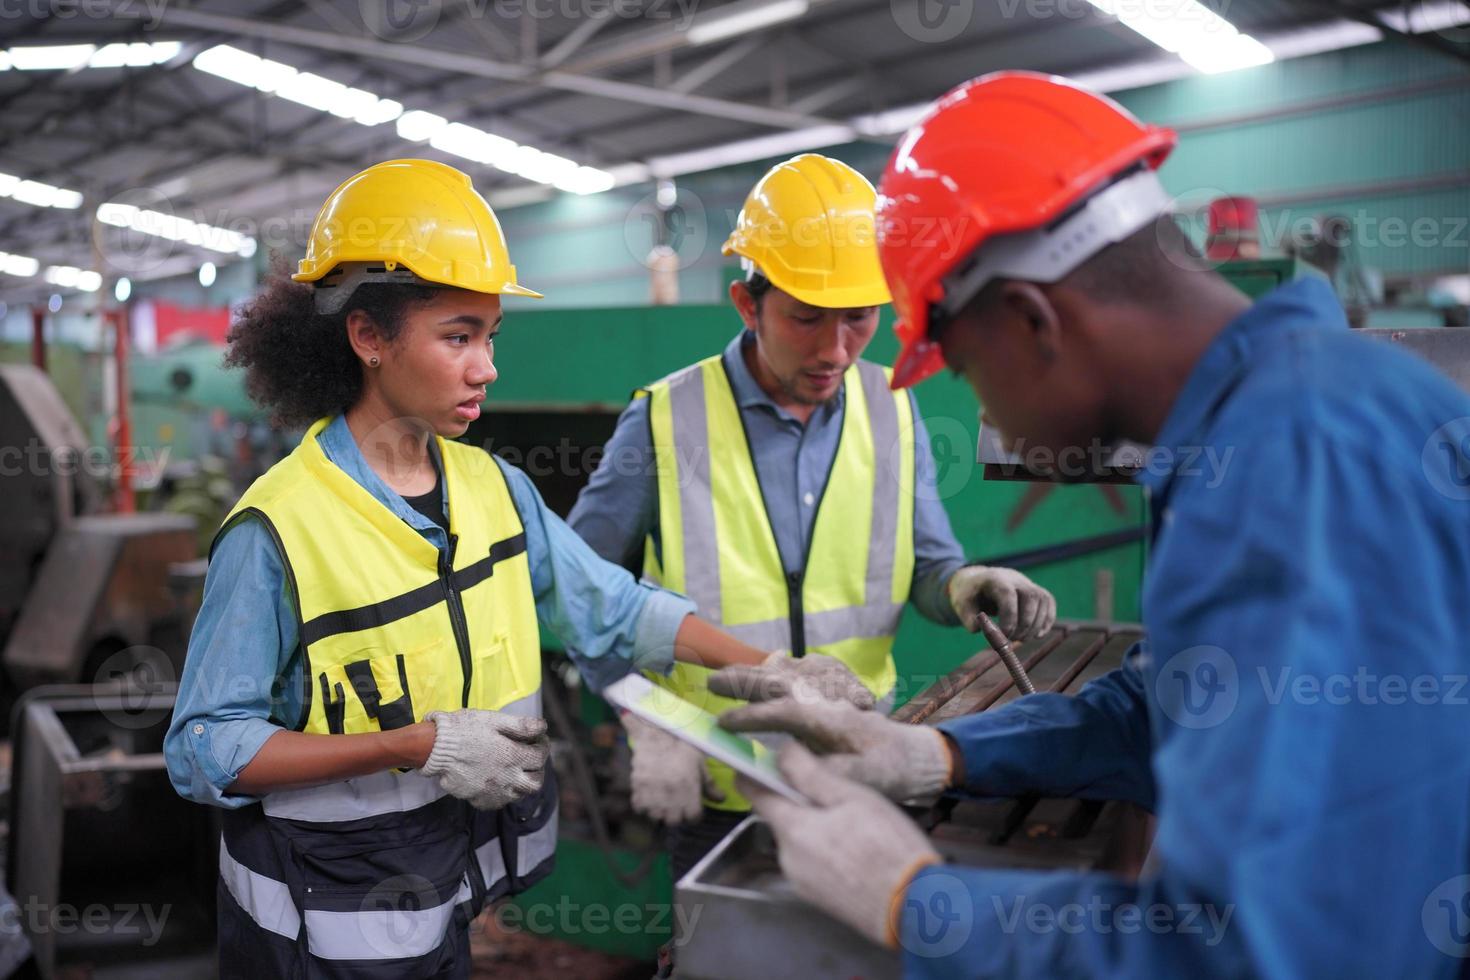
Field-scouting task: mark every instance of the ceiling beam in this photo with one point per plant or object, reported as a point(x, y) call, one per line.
point(479, 65)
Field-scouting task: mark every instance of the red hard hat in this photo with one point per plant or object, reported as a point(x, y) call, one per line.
point(1006, 152)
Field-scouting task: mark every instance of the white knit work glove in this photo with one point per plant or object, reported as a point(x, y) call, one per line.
point(489, 758)
point(899, 760)
point(814, 677)
point(1021, 608)
point(668, 774)
point(852, 854)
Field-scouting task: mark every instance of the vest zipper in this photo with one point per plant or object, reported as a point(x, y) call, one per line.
point(793, 603)
point(456, 614)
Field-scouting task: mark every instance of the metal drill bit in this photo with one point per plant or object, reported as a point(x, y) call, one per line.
point(1002, 648)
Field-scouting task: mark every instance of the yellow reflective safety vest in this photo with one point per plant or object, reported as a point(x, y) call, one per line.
point(718, 548)
point(391, 628)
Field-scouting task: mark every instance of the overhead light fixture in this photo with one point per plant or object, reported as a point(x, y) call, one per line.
point(413, 125)
point(177, 229)
point(418, 125)
point(207, 274)
point(304, 88)
point(70, 277)
point(1200, 37)
point(18, 265)
point(38, 194)
point(750, 17)
point(122, 289)
point(139, 54)
point(51, 57)
point(54, 303)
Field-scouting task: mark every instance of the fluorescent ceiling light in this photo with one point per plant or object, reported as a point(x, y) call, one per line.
point(304, 88)
point(89, 281)
point(53, 57)
point(36, 193)
point(18, 265)
point(362, 106)
point(417, 125)
point(176, 229)
point(138, 54)
point(1199, 36)
point(720, 26)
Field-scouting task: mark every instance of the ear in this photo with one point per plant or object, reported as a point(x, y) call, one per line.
point(365, 338)
point(745, 303)
point(1030, 306)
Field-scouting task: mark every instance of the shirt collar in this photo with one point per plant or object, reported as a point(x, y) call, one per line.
point(748, 392)
point(1298, 305)
point(341, 448)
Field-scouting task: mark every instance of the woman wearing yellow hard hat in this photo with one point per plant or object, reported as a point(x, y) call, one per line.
point(362, 689)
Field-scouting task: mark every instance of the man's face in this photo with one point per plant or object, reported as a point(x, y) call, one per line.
point(1031, 373)
point(438, 367)
point(804, 349)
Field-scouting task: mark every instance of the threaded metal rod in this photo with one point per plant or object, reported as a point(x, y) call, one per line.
point(1002, 648)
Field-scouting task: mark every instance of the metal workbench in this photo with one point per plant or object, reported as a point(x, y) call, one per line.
point(745, 923)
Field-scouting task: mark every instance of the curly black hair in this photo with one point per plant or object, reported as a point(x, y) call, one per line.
point(298, 363)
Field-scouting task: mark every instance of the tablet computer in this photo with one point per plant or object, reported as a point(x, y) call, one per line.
point(690, 723)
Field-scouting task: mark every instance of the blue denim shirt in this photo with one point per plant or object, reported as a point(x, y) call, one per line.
point(243, 676)
point(618, 509)
point(1297, 718)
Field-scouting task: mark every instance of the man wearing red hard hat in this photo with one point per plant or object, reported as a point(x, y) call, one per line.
point(1295, 719)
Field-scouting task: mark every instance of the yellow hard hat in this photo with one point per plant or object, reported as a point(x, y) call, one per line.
point(419, 214)
point(808, 227)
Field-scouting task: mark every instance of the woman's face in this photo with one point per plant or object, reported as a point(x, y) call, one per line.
point(438, 367)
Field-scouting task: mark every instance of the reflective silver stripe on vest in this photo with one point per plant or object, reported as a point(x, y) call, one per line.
point(378, 934)
point(822, 628)
point(265, 900)
point(883, 529)
point(536, 846)
point(696, 495)
point(375, 794)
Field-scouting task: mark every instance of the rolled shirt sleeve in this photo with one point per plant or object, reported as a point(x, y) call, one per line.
point(230, 694)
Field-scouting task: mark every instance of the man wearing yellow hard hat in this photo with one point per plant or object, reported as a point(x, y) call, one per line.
point(779, 493)
point(362, 692)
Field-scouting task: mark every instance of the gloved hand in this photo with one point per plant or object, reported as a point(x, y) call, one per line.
point(815, 677)
point(489, 758)
point(852, 855)
point(1021, 608)
point(899, 760)
point(668, 775)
